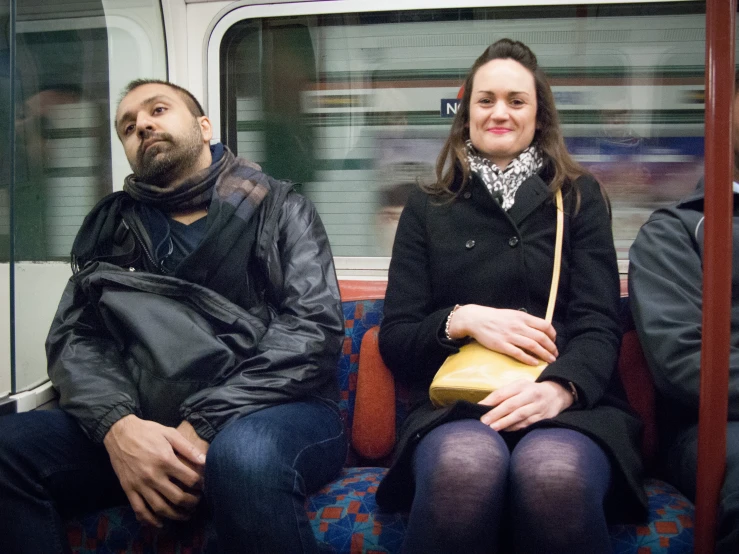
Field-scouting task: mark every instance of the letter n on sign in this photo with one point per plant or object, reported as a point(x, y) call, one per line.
point(449, 107)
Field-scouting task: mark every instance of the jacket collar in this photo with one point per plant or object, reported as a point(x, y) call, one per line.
point(532, 193)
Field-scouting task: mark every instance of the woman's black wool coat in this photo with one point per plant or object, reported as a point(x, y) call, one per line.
point(470, 251)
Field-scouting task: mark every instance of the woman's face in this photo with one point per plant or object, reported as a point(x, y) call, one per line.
point(502, 110)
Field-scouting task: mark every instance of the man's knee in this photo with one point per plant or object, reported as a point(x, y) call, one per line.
point(248, 456)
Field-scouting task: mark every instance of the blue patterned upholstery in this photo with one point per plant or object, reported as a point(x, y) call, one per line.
point(344, 515)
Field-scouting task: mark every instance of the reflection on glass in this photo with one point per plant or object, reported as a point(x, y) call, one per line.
point(62, 139)
point(73, 58)
point(349, 104)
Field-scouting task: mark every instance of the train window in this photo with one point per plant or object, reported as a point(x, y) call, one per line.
point(71, 61)
point(355, 106)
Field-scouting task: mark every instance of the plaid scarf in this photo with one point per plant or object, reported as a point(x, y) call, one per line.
point(507, 181)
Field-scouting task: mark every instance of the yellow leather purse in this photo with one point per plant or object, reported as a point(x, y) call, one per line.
point(475, 371)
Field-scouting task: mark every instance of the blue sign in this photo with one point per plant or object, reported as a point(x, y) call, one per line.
point(449, 107)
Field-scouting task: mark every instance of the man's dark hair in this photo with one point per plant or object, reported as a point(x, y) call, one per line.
point(192, 103)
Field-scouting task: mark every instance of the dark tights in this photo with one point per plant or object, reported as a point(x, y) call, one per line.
point(551, 485)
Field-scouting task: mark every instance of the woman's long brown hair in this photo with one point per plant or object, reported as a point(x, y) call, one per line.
point(452, 160)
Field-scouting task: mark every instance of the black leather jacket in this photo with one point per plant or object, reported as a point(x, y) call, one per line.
point(126, 341)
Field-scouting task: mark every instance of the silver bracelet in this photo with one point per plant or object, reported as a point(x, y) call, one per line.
point(449, 321)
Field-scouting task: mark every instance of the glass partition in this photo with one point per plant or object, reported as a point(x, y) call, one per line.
point(6, 149)
point(72, 60)
point(355, 106)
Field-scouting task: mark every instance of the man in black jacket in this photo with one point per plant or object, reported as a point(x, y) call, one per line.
point(194, 350)
point(665, 290)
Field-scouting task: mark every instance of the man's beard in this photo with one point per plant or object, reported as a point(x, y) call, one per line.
point(167, 160)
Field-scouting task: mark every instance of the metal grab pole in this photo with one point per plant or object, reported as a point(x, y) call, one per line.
point(714, 370)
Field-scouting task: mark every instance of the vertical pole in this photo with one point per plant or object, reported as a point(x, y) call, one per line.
point(714, 371)
point(11, 193)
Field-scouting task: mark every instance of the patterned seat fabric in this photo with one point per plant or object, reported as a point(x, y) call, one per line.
point(344, 516)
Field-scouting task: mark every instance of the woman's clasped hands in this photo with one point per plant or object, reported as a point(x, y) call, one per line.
point(526, 338)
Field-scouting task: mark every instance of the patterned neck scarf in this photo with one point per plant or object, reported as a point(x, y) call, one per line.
point(507, 181)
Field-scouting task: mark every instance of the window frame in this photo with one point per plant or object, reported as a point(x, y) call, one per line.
point(348, 267)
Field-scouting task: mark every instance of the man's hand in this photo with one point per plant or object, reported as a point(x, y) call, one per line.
point(146, 458)
point(188, 431)
point(522, 403)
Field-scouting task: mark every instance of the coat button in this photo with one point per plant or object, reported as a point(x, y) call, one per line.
point(512, 242)
point(524, 310)
point(469, 244)
point(467, 195)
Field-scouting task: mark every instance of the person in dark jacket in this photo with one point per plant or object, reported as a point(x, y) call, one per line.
point(194, 350)
point(665, 294)
point(473, 259)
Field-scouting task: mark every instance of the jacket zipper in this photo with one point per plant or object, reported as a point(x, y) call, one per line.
point(141, 242)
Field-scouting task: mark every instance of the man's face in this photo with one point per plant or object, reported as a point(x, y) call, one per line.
point(164, 142)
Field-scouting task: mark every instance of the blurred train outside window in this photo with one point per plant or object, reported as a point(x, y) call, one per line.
point(72, 59)
point(352, 105)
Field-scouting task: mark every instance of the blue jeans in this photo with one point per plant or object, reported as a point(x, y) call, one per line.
point(258, 472)
point(682, 464)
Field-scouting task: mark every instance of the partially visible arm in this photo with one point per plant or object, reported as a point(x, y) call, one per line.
point(409, 335)
point(665, 294)
point(86, 367)
point(298, 353)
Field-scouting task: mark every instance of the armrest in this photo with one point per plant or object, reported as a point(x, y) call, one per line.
point(373, 429)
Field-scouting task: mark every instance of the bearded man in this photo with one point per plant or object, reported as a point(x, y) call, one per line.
point(194, 350)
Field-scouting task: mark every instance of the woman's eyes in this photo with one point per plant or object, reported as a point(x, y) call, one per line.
point(516, 102)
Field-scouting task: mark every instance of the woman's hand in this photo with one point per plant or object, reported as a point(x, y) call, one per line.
point(526, 338)
point(522, 403)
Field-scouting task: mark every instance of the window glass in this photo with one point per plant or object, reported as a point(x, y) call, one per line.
point(356, 106)
point(72, 61)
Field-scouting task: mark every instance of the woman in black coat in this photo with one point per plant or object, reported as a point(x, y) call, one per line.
point(473, 259)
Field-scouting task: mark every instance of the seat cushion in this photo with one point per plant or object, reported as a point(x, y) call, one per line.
point(345, 520)
point(670, 528)
point(116, 531)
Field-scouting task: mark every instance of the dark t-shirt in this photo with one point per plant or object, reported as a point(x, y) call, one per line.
point(185, 238)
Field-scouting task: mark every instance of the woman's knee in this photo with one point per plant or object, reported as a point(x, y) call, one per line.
point(466, 449)
point(566, 464)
